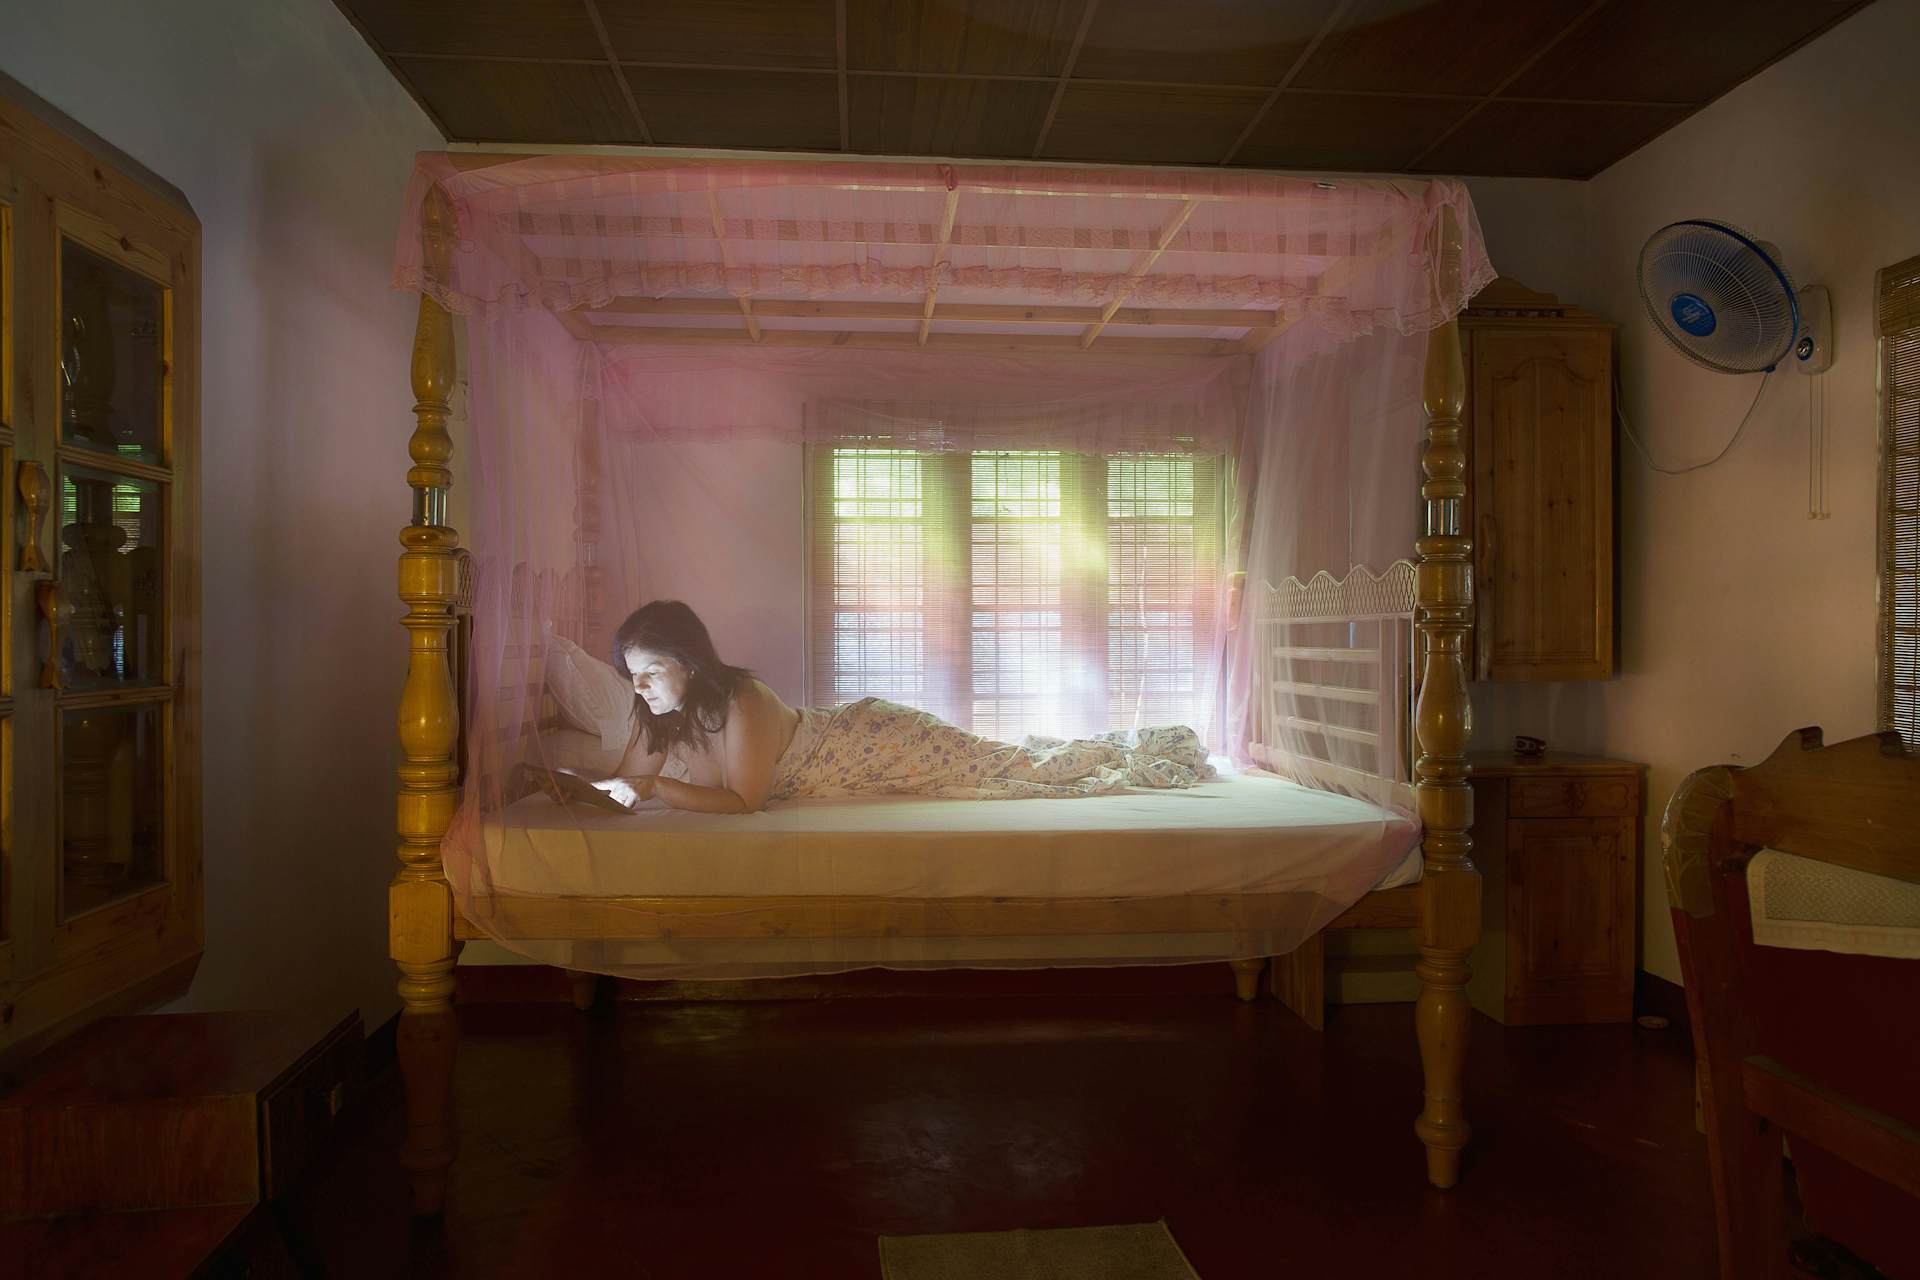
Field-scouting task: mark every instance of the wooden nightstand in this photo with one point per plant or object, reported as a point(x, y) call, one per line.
point(1557, 841)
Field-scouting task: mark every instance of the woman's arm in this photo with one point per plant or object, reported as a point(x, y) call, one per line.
point(694, 799)
point(632, 779)
point(746, 755)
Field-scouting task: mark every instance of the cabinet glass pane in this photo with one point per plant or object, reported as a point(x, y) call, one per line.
point(112, 349)
point(112, 805)
point(112, 581)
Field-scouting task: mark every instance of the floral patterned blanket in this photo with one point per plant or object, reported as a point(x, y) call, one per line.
point(876, 747)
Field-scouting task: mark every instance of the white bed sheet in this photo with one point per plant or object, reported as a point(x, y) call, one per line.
point(1244, 833)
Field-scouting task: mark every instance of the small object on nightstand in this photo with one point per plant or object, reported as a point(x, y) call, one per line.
point(1529, 748)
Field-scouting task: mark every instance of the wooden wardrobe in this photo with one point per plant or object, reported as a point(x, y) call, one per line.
point(1540, 413)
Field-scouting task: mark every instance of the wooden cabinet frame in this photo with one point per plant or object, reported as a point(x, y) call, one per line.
point(60, 184)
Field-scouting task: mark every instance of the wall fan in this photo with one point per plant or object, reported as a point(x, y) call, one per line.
point(1723, 300)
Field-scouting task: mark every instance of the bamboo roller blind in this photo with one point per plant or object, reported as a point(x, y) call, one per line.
point(1899, 329)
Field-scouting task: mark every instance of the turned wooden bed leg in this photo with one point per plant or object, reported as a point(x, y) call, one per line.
point(1300, 981)
point(586, 988)
point(1246, 978)
point(1443, 619)
point(419, 900)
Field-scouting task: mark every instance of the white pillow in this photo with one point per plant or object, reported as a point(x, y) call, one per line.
point(591, 695)
point(580, 752)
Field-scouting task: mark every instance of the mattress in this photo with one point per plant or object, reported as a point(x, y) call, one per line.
point(1243, 833)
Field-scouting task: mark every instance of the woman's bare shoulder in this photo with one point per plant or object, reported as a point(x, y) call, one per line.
point(754, 695)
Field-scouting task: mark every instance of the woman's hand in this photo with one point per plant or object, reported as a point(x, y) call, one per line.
point(628, 791)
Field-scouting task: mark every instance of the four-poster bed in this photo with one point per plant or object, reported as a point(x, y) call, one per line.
point(1430, 597)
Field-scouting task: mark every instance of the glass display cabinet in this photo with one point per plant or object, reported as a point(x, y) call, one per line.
point(100, 893)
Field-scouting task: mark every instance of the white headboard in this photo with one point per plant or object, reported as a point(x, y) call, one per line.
point(1334, 678)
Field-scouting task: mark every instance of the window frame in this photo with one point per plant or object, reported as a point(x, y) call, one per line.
point(1897, 352)
point(948, 622)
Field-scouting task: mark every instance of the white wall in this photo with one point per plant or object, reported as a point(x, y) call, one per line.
point(293, 143)
point(1743, 619)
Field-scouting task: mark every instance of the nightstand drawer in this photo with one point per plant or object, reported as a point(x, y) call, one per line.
point(1584, 797)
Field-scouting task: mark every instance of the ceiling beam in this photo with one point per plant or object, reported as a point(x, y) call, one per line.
point(906, 340)
point(940, 255)
point(1138, 270)
point(984, 313)
point(726, 261)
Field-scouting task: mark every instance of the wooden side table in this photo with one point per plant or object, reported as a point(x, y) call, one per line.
point(1557, 841)
point(176, 1110)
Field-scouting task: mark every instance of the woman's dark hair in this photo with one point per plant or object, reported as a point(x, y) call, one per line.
point(672, 630)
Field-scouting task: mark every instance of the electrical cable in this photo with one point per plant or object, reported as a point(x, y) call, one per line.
point(1620, 408)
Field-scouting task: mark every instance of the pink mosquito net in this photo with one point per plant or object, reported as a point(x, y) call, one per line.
point(991, 444)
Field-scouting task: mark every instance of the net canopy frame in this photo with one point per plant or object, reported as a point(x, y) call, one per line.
point(685, 298)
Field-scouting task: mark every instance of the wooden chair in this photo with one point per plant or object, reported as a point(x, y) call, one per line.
point(1812, 1047)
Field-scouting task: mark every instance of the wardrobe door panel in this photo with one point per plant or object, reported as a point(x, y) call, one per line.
point(1543, 475)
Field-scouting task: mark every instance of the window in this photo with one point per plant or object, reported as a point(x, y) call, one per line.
point(1899, 326)
point(1015, 591)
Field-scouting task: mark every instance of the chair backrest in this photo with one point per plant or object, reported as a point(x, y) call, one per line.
point(1811, 1043)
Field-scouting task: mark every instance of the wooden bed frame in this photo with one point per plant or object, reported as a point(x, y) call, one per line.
point(1442, 910)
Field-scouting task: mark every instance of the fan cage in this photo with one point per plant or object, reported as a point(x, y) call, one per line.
point(1716, 352)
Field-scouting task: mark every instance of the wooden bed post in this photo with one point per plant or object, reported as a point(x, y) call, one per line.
point(419, 901)
point(1443, 618)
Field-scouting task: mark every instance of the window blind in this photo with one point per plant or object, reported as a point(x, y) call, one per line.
point(1015, 591)
point(1899, 329)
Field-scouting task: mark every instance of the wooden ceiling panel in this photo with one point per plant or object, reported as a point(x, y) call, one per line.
point(1658, 51)
point(973, 37)
point(1367, 85)
point(522, 101)
point(1347, 131)
point(477, 28)
point(1548, 139)
point(911, 115)
point(1134, 124)
point(780, 109)
point(1448, 46)
point(758, 33)
point(1241, 42)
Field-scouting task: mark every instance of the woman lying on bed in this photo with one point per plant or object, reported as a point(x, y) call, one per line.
point(713, 739)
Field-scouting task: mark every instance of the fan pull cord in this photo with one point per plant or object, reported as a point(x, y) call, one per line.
point(1817, 508)
point(1620, 408)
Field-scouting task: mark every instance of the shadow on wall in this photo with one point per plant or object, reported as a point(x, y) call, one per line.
point(304, 444)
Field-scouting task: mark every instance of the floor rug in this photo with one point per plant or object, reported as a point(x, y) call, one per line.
point(1143, 1251)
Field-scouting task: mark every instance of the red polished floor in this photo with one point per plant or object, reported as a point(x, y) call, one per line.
point(780, 1139)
